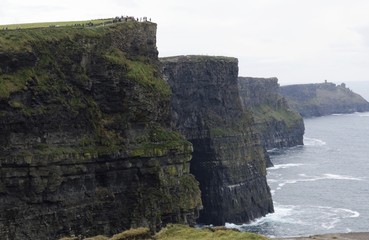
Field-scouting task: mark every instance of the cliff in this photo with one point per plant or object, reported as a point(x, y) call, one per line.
point(278, 125)
point(86, 145)
point(228, 159)
point(312, 100)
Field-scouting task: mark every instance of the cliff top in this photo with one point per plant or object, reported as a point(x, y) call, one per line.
point(22, 39)
point(321, 91)
point(197, 58)
point(274, 79)
point(319, 99)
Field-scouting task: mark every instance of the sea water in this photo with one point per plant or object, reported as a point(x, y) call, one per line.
point(323, 186)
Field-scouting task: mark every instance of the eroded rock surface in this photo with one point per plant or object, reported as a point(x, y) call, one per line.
point(228, 160)
point(278, 125)
point(86, 146)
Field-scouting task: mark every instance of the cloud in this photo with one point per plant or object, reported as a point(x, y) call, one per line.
point(305, 40)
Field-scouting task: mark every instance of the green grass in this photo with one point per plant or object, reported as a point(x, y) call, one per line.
point(181, 232)
point(146, 75)
point(265, 113)
point(10, 83)
point(59, 24)
point(140, 71)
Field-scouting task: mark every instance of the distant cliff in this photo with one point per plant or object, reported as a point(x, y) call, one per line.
point(86, 145)
point(228, 160)
point(278, 125)
point(321, 99)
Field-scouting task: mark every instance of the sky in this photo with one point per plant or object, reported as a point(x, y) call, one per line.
point(297, 41)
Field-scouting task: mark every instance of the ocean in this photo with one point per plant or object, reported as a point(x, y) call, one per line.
point(323, 186)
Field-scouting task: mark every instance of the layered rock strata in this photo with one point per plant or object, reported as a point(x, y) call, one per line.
point(228, 159)
point(86, 146)
point(278, 125)
point(320, 99)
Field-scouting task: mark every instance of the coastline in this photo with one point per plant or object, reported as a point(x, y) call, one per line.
point(335, 236)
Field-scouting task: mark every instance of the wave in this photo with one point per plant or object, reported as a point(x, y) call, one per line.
point(321, 218)
point(282, 213)
point(306, 178)
point(313, 142)
point(341, 177)
point(273, 150)
point(332, 216)
point(363, 114)
point(287, 165)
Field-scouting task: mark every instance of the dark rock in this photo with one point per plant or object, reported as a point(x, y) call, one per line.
point(228, 160)
point(278, 125)
point(86, 146)
point(11, 61)
point(320, 99)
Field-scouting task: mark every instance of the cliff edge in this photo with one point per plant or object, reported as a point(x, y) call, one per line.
point(279, 126)
point(228, 159)
point(319, 99)
point(86, 146)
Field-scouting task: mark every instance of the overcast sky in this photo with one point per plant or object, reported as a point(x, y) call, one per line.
point(298, 41)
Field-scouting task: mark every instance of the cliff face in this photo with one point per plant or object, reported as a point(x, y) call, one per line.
point(86, 145)
point(278, 125)
point(312, 100)
point(228, 160)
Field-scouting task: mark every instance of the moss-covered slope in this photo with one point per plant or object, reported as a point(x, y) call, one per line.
point(179, 232)
point(86, 147)
point(278, 125)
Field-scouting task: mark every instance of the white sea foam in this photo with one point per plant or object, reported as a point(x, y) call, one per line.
point(364, 114)
point(315, 218)
point(332, 216)
point(313, 142)
point(273, 150)
point(341, 177)
point(282, 214)
point(272, 180)
point(306, 178)
point(283, 166)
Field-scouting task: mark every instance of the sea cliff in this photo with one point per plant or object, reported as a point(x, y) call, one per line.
point(279, 126)
point(86, 146)
point(320, 99)
point(228, 160)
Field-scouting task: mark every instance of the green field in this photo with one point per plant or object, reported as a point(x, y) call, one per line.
point(56, 24)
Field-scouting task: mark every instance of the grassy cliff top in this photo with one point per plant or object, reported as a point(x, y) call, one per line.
point(198, 58)
point(22, 39)
point(321, 93)
point(55, 24)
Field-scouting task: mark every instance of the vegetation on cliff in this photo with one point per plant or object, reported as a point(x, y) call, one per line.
point(55, 66)
point(180, 232)
point(86, 144)
point(277, 124)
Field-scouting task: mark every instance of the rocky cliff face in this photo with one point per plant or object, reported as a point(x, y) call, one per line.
point(312, 100)
point(278, 125)
point(86, 145)
point(228, 160)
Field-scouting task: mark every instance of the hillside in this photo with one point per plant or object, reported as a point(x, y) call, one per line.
point(321, 99)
